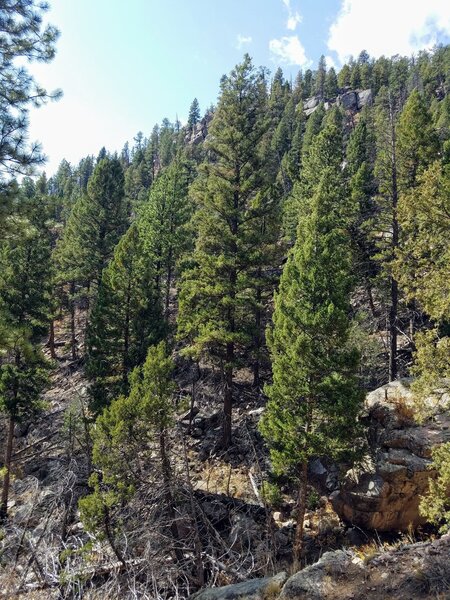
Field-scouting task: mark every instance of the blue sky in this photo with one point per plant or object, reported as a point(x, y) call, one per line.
point(125, 66)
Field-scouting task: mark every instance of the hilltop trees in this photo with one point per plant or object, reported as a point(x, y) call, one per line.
point(232, 200)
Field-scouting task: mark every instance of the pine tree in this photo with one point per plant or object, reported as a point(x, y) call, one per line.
point(130, 450)
point(24, 309)
point(319, 85)
point(386, 172)
point(232, 201)
point(360, 166)
point(417, 141)
point(319, 150)
point(194, 114)
point(23, 38)
point(344, 76)
point(331, 84)
point(125, 319)
point(314, 398)
point(163, 223)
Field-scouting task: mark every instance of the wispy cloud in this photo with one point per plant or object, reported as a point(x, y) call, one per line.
point(294, 17)
point(289, 50)
point(243, 40)
point(387, 27)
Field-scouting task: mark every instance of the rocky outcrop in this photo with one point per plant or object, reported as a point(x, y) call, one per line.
point(254, 589)
point(199, 131)
point(413, 571)
point(384, 493)
point(314, 582)
point(349, 100)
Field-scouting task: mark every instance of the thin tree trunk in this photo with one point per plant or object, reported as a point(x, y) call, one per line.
point(393, 312)
point(73, 340)
point(393, 331)
point(168, 284)
point(198, 546)
point(51, 339)
point(370, 298)
point(126, 338)
point(228, 396)
point(7, 467)
point(301, 509)
point(110, 537)
point(167, 479)
point(258, 336)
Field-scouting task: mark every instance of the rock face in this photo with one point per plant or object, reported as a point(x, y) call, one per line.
point(365, 98)
point(413, 571)
point(384, 494)
point(314, 582)
point(350, 100)
point(254, 589)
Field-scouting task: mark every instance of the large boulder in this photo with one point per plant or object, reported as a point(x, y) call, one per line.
point(384, 493)
point(321, 580)
point(254, 589)
point(348, 101)
point(311, 103)
point(365, 98)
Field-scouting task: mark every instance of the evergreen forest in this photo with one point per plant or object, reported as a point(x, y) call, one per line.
point(190, 327)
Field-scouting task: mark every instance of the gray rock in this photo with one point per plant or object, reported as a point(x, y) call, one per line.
point(311, 103)
point(365, 98)
point(255, 589)
point(316, 581)
point(348, 101)
point(309, 111)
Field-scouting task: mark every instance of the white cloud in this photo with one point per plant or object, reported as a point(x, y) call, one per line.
point(243, 40)
point(388, 27)
point(289, 50)
point(294, 17)
point(293, 20)
point(330, 62)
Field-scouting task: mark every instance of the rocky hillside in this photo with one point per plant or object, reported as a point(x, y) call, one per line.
point(413, 571)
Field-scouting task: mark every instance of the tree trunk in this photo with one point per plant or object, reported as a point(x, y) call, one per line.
point(228, 396)
point(301, 509)
point(168, 284)
point(7, 467)
point(51, 340)
point(73, 339)
point(393, 312)
point(258, 336)
point(393, 331)
point(167, 479)
point(126, 338)
point(370, 298)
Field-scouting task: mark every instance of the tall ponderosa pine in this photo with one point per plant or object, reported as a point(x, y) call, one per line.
point(360, 166)
point(216, 297)
point(25, 277)
point(194, 114)
point(321, 148)
point(422, 268)
point(314, 398)
point(125, 320)
point(95, 225)
point(163, 223)
point(386, 172)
